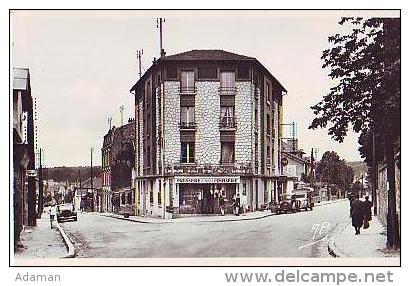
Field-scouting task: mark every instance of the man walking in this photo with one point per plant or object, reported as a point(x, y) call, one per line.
point(357, 214)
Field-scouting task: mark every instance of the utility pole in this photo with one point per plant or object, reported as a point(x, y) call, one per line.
point(40, 189)
point(109, 121)
point(122, 113)
point(91, 182)
point(139, 54)
point(159, 25)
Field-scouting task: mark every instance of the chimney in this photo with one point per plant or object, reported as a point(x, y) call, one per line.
point(162, 53)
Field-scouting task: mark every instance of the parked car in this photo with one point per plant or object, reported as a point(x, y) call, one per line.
point(287, 204)
point(304, 198)
point(66, 212)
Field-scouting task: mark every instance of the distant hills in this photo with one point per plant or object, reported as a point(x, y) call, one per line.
point(70, 174)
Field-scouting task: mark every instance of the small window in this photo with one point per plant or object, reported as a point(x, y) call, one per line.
point(227, 117)
point(267, 93)
point(207, 73)
point(187, 152)
point(243, 72)
point(171, 72)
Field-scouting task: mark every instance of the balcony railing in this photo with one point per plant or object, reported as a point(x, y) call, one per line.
point(187, 125)
point(187, 90)
point(227, 122)
point(227, 90)
point(208, 169)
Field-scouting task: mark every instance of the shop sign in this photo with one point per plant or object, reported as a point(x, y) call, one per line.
point(207, 180)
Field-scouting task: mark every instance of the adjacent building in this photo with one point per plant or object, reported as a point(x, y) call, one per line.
point(24, 180)
point(208, 125)
point(117, 164)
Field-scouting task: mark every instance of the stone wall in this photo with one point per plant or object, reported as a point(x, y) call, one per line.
point(207, 111)
point(172, 141)
point(244, 112)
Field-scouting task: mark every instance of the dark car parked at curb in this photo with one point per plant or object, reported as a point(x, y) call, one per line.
point(287, 204)
point(66, 212)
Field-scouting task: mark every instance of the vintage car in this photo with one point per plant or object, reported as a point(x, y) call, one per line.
point(304, 198)
point(287, 204)
point(66, 212)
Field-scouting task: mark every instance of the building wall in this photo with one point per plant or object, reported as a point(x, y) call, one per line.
point(243, 112)
point(276, 145)
point(172, 141)
point(207, 111)
point(140, 138)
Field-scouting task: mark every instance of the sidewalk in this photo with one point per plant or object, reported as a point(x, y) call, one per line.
point(41, 241)
point(203, 218)
point(370, 243)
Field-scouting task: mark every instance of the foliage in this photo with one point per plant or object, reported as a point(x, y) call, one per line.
point(365, 65)
point(70, 174)
point(331, 170)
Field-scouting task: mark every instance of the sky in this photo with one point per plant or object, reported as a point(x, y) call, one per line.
point(83, 64)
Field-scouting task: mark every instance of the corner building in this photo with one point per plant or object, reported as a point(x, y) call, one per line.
point(208, 124)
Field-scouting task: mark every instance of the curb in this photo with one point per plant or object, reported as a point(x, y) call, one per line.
point(331, 245)
point(67, 241)
point(210, 221)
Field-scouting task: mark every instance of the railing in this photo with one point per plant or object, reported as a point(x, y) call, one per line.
point(227, 90)
point(187, 90)
point(208, 169)
point(227, 122)
point(187, 125)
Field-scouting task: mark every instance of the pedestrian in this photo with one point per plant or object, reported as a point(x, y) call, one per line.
point(357, 214)
point(237, 203)
point(52, 213)
point(244, 202)
point(222, 204)
point(367, 206)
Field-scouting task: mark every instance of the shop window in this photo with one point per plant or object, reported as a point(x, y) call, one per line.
point(227, 152)
point(151, 192)
point(123, 198)
point(187, 152)
point(159, 193)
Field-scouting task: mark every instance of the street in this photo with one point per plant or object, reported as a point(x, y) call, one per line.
point(286, 235)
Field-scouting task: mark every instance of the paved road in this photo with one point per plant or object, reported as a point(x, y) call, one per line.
point(274, 236)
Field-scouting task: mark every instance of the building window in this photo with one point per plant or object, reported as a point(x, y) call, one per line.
point(129, 198)
point(243, 72)
point(187, 152)
point(268, 126)
point(268, 155)
point(159, 193)
point(227, 152)
point(267, 93)
point(187, 116)
point(151, 192)
point(207, 73)
point(227, 82)
point(148, 156)
point(123, 198)
point(227, 117)
point(187, 82)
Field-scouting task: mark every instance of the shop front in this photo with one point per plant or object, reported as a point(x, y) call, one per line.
point(206, 195)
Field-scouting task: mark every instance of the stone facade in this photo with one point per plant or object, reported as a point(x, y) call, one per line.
point(207, 110)
point(172, 141)
point(243, 112)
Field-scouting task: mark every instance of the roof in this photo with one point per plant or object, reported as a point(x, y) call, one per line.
point(206, 55)
point(20, 79)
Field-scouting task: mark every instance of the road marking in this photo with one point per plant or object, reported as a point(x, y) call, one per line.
point(313, 243)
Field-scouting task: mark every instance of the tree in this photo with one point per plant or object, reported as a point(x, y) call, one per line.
point(365, 65)
point(333, 171)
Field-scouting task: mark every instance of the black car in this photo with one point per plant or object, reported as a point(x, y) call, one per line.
point(66, 212)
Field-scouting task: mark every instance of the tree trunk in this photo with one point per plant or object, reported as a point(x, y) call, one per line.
point(393, 239)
